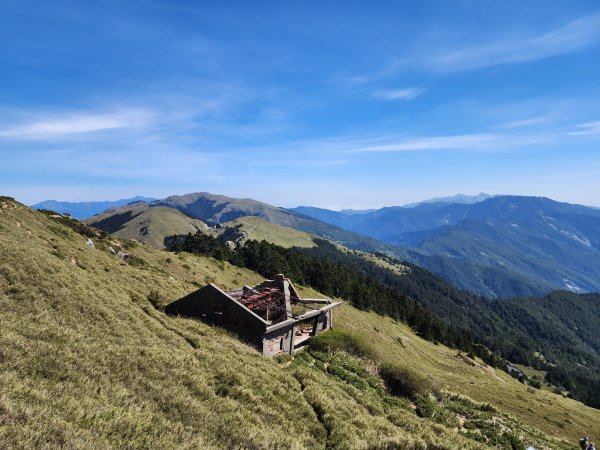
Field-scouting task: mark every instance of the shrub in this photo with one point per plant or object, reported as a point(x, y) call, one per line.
point(154, 299)
point(138, 262)
point(336, 340)
point(285, 358)
point(128, 245)
point(558, 390)
point(426, 406)
point(536, 382)
point(405, 382)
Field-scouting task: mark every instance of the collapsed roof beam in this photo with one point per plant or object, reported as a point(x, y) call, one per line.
point(323, 301)
point(316, 312)
point(302, 317)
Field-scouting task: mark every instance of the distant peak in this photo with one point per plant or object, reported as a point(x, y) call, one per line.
point(458, 198)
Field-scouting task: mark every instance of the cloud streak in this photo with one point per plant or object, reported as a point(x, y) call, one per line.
point(589, 128)
point(525, 122)
point(459, 142)
point(399, 94)
point(574, 36)
point(508, 140)
point(81, 123)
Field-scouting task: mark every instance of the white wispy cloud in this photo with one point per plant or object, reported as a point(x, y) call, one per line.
point(365, 144)
point(588, 128)
point(574, 36)
point(532, 121)
point(507, 141)
point(459, 142)
point(76, 123)
point(399, 94)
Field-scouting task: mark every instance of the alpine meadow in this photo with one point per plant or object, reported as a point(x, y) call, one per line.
point(299, 225)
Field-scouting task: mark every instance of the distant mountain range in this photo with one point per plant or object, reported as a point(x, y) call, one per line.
point(83, 210)
point(501, 246)
point(338, 217)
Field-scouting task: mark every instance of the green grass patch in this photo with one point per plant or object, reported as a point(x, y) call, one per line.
point(406, 382)
point(336, 340)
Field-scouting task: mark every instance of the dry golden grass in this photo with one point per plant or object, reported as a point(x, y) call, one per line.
point(396, 343)
point(153, 225)
point(258, 229)
point(86, 361)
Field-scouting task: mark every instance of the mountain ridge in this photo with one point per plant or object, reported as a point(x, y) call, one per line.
point(217, 209)
point(458, 198)
point(555, 244)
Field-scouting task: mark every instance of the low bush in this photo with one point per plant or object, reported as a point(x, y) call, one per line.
point(138, 262)
point(405, 382)
point(426, 407)
point(339, 340)
point(536, 382)
point(155, 300)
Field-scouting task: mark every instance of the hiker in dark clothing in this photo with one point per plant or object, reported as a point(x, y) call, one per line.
point(584, 442)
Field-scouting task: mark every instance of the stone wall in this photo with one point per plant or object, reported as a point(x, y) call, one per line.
point(279, 341)
point(214, 307)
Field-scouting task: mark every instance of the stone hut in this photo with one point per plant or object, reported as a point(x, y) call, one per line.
point(270, 316)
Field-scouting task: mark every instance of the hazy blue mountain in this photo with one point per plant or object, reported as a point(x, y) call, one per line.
point(458, 198)
point(83, 210)
point(351, 212)
point(386, 223)
point(502, 246)
point(337, 218)
point(331, 216)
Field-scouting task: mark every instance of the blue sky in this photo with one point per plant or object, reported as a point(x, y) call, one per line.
point(332, 104)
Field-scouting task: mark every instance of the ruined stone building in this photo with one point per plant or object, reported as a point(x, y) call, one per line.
point(271, 315)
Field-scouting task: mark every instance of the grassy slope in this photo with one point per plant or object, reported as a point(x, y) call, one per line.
point(258, 229)
point(152, 225)
point(220, 209)
point(86, 361)
point(552, 413)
